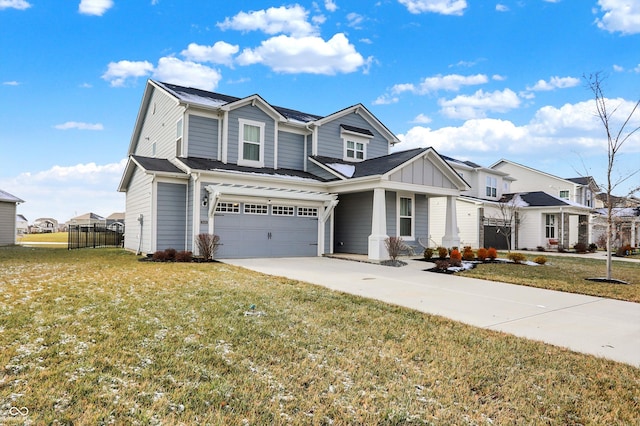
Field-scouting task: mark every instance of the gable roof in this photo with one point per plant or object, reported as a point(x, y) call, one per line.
point(151, 165)
point(586, 181)
point(8, 198)
point(371, 167)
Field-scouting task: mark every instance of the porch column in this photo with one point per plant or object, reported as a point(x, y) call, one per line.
point(451, 237)
point(377, 249)
point(633, 233)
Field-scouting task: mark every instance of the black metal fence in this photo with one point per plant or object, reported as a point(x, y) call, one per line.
point(84, 236)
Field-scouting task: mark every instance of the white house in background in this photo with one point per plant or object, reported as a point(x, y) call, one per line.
point(88, 219)
point(560, 208)
point(8, 206)
point(44, 225)
point(273, 181)
point(626, 220)
point(22, 225)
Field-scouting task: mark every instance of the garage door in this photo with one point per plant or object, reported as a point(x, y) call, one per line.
point(494, 237)
point(262, 230)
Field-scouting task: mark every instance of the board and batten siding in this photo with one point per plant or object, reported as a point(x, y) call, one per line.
point(203, 137)
point(331, 144)
point(353, 223)
point(159, 127)
point(290, 151)
point(254, 114)
point(7, 223)
point(422, 172)
point(171, 225)
point(138, 202)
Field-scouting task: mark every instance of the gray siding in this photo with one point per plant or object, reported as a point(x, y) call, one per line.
point(330, 142)
point(171, 222)
point(255, 114)
point(7, 223)
point(159, 127)
point(390, 205)
point(203, 137)
point(290, 151)
point(422, 172)
point(353, 223)
point(422, 221)
point(138, 202)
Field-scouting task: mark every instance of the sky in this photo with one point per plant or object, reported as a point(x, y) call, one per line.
point(476, 80)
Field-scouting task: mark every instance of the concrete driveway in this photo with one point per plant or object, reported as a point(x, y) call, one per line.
point(592, 325)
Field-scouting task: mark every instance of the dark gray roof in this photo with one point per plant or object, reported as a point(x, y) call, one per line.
point(357, 129)
point(156, 164)
point(374, 166)
point(203, 97)
point(195, 163)
point(537, 199)
point(467, 163)
point(581, 180)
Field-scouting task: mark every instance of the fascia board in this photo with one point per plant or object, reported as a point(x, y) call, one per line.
point(256, 100)
point(241, 178)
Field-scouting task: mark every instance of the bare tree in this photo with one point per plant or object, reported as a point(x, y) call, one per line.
point(509, 217)
point(615, 140)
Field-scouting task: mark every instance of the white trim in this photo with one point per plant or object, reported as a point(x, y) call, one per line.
point(275, 145)
point(350, 137)
point(271, 193)
point(180, 152)
point(251, 163)
point(412, 197)
point(225, 137)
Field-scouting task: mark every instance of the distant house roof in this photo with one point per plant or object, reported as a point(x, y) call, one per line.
point(541, 199)
point(8, 198)
point(195, 163)
point(21, 218)
point(116, 216)
point(372, 167)
point(466, 163)
point(88, 216)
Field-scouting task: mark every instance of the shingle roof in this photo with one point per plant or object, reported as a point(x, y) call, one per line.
point(374, 166)
point(6, 197)
point(195, 163)
point(537, 199)
point(357, 129)
point(156, 164)
point(580, 180)
point(467, 163)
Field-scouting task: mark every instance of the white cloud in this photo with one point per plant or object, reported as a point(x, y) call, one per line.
point(355, 20)
point(330, 5)
point(14, 4)
point(94, 7)
point(555, 83)
point(422, 119)
point(11, 83)
point(119, 72)
point(290, 20)
point(309, 54)
point(478, 104)
point(220, 53)
point(386, 100)
point(501, 8)
point(451, 82)
point(444, 7)
point(619, 16)
point(186, 73)
point(618, 68)
point(79, 125)
point(637, 69)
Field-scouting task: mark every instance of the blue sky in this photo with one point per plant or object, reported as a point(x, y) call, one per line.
point(474, 79)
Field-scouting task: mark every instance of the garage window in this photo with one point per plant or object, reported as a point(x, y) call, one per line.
point(256, 208)
point(228, 207)
point(282, 210)
point(308, 211)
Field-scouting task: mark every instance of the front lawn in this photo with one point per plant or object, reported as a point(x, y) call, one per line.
point(568, 274)
point(94, 336)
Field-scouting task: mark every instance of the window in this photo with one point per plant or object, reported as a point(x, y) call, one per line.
point(282, 210)
point(355, 150)
point(179, 138)
point(550, 226)
point(251, 143)
point(589, 198)
point(308, 211)
point(224, 207)
point(564, 195)
point(492, 187)
point(405, 217)
point(256, 208)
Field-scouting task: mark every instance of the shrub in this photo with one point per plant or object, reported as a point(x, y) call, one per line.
point(624, 251)
point(482, 254)
point(171, 254)
point(580, 248)
point(442, 252)
point(184, 256)
point(442, 265)
point(593, 248)
point(208, 245)
point(540, 248)
point(455, 258)
point(516, 257)
point(540, 260)
point(160, 256)
point(395, 246)
point(492, 253)
point(467, 253)
point(602, 241)
point(428, 253)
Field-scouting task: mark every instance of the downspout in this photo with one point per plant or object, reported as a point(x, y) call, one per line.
point(562, 227)
point(140, 220)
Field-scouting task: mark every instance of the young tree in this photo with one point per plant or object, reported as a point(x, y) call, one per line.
point(509, 217)
point(616, 138)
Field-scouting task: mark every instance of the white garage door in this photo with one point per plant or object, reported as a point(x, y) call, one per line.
point(263, 230)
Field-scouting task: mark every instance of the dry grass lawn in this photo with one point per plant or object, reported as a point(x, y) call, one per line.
point(96, 337)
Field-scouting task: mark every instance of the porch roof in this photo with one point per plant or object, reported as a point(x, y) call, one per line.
point(373, 167)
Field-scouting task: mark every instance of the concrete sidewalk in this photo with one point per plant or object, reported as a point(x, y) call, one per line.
point(597, 326)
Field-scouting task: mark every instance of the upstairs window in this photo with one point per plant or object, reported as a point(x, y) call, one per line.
point(251, 143)
point(355, 141)
point(564, 195)
point(492, 187)
point(355, 150)
point(179, 138)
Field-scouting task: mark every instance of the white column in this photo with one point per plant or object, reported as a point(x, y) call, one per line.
point(377, 249)
point(451, 237)
point(633, 233)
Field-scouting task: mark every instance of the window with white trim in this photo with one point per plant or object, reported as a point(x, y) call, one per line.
point(492, 187)
point(250, 143)
point(227, 207)
point(308, 211)
point(355, 150)
point(179, 130)
point(550, 226)
point(250, 208)
point(564, 195)
point(406, 217)
point(283, 210)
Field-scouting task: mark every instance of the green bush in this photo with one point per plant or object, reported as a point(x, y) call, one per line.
point(516, 257)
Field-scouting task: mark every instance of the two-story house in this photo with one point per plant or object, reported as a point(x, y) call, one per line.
point(273, 181)
point(558, 210)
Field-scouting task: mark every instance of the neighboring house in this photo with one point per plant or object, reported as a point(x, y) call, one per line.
point(272, 181)
point(8, 206)
point(87, 219)
point(44, 225)
point(115, 222)
point(22, 225)
point(626, 221)
point(559, 211)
